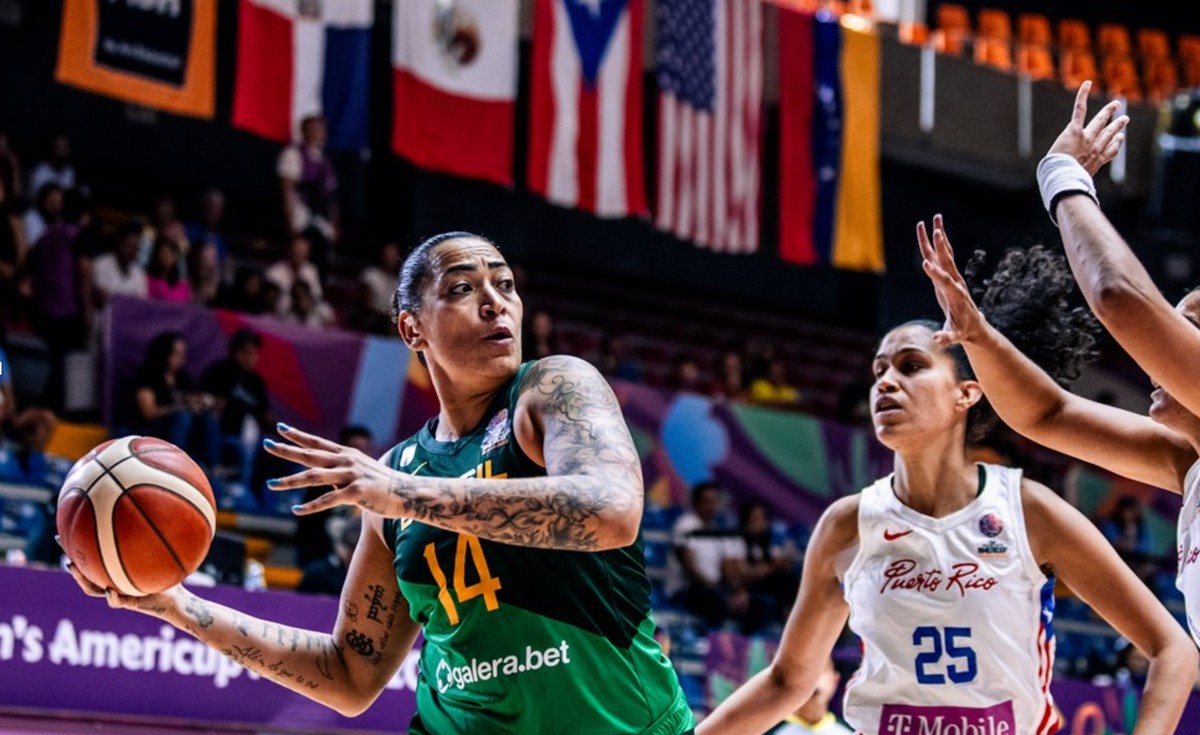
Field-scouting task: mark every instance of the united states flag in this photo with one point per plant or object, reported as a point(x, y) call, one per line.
point(710, 78)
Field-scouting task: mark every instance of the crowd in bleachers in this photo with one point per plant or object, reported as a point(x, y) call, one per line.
point(714, 564)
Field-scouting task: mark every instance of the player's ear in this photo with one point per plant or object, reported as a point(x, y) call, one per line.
point(409, 328)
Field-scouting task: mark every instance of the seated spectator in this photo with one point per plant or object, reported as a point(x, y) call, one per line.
point(246, 294)
point(309, 186)
point(244, 410)
point(708, 578)
point(272, 298)
point(813, 717)
point(208, 231)
point(327, 575)
point(204, 273)
point(10, 169)
point(164, 276)
point(163, 224)
point(616, 361)
point(171, 407)
point(541, 339)
point(46, 211)
point(118, 273)
point(731, 378)
point(773, 388)
point(380, 279)
point(770, 568)
point(295, 267)
point(57, 168)
point(306, 310)
point(685, 376)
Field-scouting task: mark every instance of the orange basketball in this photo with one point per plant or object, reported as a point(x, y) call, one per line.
point(136, 515)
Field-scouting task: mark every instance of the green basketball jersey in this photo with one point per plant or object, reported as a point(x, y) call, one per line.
point(521, 640)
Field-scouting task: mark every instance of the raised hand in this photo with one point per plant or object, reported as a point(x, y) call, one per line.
point(356, 479)
point(964, 321)
point(1097, 142)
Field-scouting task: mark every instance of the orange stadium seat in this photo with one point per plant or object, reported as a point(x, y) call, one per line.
point(914, 34)
point(1075, 67)
point(1121, 78)
point(1074, 35)
point(953, 28)
point(1191, 73)
point(994, 52)
point(1035, 61)
point(1189, 47)
point(1033, 29)
point(994, 24)
point(1160, 78)
point(1153, 43)
point(1112, 39)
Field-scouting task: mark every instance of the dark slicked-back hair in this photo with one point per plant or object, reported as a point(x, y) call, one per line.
point(415, 271)
point(1026, 299)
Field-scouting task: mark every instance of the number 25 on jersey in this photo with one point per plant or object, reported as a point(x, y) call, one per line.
point(932, 644)
point(485, 587)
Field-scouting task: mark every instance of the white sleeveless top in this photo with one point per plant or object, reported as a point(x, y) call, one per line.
point(1187, 579)
point(954, 616)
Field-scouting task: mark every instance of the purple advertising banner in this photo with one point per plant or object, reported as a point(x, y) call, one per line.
point(62, 652)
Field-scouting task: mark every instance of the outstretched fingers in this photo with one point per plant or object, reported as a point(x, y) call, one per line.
point(313, 477)
point(305, 439)
point(1079, 112)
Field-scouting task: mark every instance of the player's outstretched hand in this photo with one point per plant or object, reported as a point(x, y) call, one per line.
point(356, 479)
point(1097, 142)
point(155, 604)
point(964, 321)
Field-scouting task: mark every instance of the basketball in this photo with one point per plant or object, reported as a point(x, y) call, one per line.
point(137, 515)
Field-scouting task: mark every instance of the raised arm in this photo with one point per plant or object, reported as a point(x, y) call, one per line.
point(1033, 404)
point(812, 630)
point(1115, 284)
point(1063, 540)
point(590, 500)
point(345, 670)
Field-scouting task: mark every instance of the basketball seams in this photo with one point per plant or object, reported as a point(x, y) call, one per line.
point(180, 488)
point(104, 504)
point(154, 527)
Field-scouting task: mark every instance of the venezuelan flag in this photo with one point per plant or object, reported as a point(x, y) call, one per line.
point(829, 190)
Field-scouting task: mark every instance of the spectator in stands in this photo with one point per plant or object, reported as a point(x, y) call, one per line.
point(770, 568)
point(208, 230)
point(243, 407)
point(118, 273)
point(61, 286)
point(380, 279)
point(10, 169)
point(813, 717)
point(164, 275)
point(327, 575)
point(312, 543)
point(773, 388)
point(307, 310)
point(272, 298)
point(204, 273)
point(731, 377)
point(163, 223)
point(12, 249)
point(45, 212)
point(295, 267)
point(309, 186)
point(542, 339)
point(712, 561)
point(56, 169)
point(617, 362)
point(171, 407)
point(1125, 529)
point(685, 375)
point(246, 294)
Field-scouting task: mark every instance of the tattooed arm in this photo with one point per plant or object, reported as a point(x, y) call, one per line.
point(345, 670)
point(566, 419)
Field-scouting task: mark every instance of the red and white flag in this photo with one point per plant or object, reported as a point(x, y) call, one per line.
point(585, 127)
point(455, 85)
point(710, 77)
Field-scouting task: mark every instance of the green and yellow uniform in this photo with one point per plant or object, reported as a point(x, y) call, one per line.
point(523, 640)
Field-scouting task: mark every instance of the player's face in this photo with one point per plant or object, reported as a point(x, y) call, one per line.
point(1163, 407)
point(917, 393)
point(470, 317)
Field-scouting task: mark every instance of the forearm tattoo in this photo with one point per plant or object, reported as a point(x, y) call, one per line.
point(594, 472)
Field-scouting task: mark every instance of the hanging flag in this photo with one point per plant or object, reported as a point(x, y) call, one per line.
point(455, 85)
point(297, 58)
point(160, 55)
point(829, 192)
point(585, 128)
point(710, 77)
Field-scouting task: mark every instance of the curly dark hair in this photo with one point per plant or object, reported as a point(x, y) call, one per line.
point(1026, 299)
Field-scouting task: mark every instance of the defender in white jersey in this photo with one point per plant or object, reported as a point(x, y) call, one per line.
point(944, 569)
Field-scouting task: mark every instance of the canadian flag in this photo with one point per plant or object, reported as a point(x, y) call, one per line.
point(455, 85)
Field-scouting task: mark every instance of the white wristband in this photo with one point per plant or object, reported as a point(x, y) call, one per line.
point(1058, 175)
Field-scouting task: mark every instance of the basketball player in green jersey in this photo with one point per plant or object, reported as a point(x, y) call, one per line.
point(506, 531)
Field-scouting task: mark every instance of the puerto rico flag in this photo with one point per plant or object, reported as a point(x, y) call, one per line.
point(304, 57)
point(585, 129)
point(454, 71)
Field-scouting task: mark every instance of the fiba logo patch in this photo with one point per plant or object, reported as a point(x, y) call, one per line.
point(991, 526)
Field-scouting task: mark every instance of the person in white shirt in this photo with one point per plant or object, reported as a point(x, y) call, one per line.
point(380, 279)
point(295, 267)
point(57, 169)
point(945, 568)
point(118, 272)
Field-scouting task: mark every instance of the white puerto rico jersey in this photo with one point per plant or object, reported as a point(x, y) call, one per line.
point(954, 616)
point(1187, 579)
